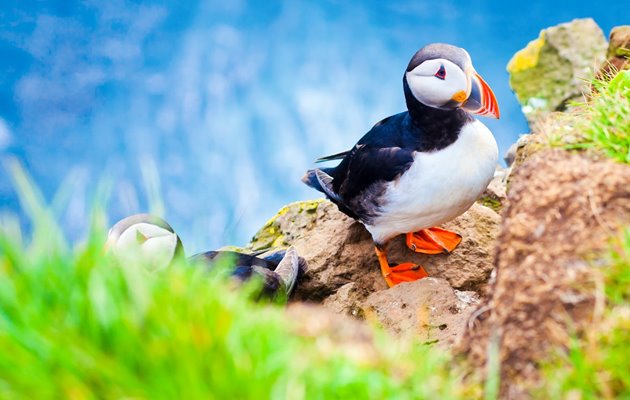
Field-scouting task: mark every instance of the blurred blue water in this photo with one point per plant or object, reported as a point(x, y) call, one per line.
point(230, 100)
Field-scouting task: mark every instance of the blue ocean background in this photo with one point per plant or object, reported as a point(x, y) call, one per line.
point(210, 111)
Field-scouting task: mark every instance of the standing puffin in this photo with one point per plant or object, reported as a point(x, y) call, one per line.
point(422, 167)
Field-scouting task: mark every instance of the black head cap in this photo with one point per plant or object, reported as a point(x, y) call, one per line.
point(455, 54)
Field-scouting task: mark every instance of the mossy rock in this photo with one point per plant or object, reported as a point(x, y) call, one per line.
point(618, 54)
point(273, 233)
point(491, 202)
point(619, 45)
point(553, 69)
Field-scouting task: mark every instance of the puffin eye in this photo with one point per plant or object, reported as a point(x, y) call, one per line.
point(441, 73)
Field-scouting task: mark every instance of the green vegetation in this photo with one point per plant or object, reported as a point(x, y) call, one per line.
point(491, 202)
point(596, 365)
point(603, 124)
point(75, 323)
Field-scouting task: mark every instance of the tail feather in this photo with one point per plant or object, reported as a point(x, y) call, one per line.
point(288, 269)
point(321, 179)
point(333, 157)
point(310, 178)
point(326, 183)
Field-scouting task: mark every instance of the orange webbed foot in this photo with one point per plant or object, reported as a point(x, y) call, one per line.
point(433, 241)
point(406, 272)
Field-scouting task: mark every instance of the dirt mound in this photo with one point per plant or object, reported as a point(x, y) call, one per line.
point(343, 272)
point(561, 208)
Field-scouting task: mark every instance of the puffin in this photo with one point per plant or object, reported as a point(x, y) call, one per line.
point(153, 240)
point(418, 169)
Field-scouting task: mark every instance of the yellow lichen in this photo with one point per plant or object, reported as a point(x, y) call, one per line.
point(310, 205)
point(528, 57)
point(271, 234)
point(279, 241)
point(237, 249)
point(282, 211)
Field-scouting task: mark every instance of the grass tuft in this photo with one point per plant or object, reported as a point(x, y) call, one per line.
point(75, 323)
point(603, 123)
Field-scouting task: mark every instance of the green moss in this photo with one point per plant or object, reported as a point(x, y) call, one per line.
point(237, 249)
point(267, 237)
point(310, 206)
point(491, 202)
point(272, 234)
point(621, 52)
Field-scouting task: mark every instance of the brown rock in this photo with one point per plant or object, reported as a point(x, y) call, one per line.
point(495, 194)
point(618, 54)
point(346, 300)
point(340, 251)
point(429, 308)
point(510, 154)
point(468, 267)
point(562, 207)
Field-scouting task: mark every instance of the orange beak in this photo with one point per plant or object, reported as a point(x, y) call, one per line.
point(482, 100)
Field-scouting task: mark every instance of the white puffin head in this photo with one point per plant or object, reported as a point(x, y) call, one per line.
point(146, 238)
point(442, 76)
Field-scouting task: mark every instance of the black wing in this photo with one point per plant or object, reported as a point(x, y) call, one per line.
point(357, 184)
point(360, 179)
point(235, 258)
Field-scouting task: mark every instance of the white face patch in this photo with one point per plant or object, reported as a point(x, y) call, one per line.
point(154, 246)
point(433, 91)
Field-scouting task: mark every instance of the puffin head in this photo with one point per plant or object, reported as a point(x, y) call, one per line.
point(442, 76)
point(146, 237)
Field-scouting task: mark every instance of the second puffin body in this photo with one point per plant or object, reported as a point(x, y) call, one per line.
point(152, 241)
point(420, 168)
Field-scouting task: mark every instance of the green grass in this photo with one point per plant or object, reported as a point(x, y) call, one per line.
point(603, 124)
point(597, 365)
point(76, 324)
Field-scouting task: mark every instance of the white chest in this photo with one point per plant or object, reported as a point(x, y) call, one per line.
point(439, 185)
